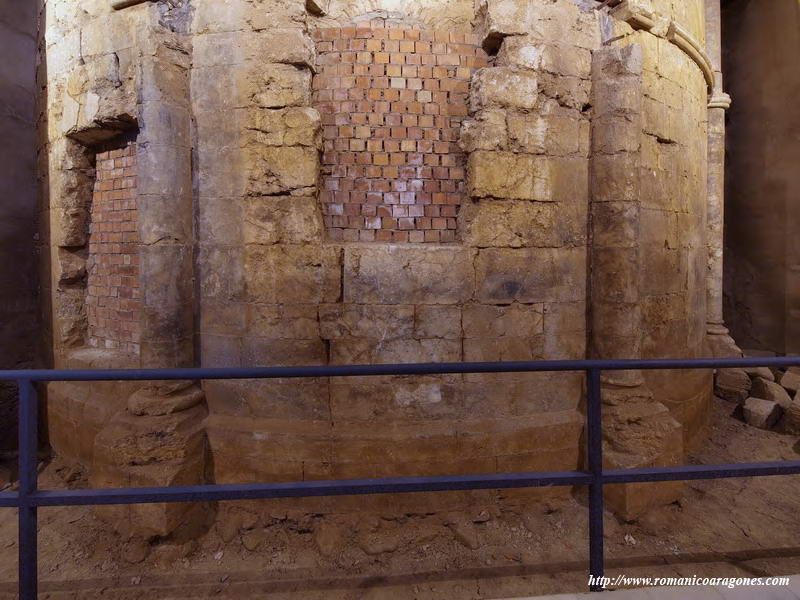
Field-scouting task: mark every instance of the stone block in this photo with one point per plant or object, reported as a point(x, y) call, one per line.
point(556, 131)
point(504, 349)
point(282, 219)
point(278, 86)
point(148, 451)
point(219, 221)
point(265, 352)
point(383, 322)
point(791, 417)
point(615, 178)
point(163, 170)
point(732, 385)
point(512, 224)
point(508, 175)
point(521, 51)
point(282, 321)
point(280, 169)
point(292, 274)
point(353, 351)
point(296, 126)
point(761, 413)
point(615, 224)
point(485, 131)
point(504, 87)
point(530, 275)
point(791, 379)
point(516, 320)
point(437, 322)
point(166, 276)
point(615, 134)
point(769, 390)
point(290, 46)
point(221, 272)
point(407, 275)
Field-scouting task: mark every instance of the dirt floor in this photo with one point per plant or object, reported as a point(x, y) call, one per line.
point(734, 527)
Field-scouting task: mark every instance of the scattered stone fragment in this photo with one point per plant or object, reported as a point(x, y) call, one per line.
point(377, 543)
point(329, 537)
point(769, 390)
point(791, 379)
point(254, 539)
point(791, 416)
point(761, 413)
point(482, 517)
point(136, 550)
point(732, 385)
point(763, 372)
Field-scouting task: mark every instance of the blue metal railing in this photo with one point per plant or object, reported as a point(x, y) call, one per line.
point(29, 498)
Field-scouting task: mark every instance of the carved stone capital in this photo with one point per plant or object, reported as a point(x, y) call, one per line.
point(720, 100)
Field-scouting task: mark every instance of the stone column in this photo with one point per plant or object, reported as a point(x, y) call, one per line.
point(160, 439)
point(638, 431)
point(720, 342)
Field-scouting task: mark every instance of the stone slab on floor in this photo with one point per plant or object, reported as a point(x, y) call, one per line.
point(789, 592)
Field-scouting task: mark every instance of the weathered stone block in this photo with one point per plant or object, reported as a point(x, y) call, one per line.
point(221, 272)
point(265, 352)
point(761, 413)
point(516, 320)
point(282, 321)
point(732, 385)
point(512, 224)
point(504, 87)
point(508, 175)
point(791, 379)
point(769, 390)
point(408, 275)
point(296, 126)
point(281, 169)
point(353, 351)
point(282, 219)
point(486, 131)
point(277, 86)
point(530, 275)
point(616, 178)
point(437, 322)
point(288, 274)
point(385, 322)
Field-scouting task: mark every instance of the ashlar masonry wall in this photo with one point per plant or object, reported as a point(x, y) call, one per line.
point(576, 229)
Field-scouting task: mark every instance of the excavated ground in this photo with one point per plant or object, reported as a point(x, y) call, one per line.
point(736, 527)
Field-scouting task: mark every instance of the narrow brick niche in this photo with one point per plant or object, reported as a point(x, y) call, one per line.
point(392, 96)
point(113, 303)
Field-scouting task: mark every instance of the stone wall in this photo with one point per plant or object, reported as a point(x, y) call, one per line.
point(18, 273)
point(761, 267)
point(580, 231)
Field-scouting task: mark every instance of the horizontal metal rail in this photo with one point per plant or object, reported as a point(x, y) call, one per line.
point(28, 498)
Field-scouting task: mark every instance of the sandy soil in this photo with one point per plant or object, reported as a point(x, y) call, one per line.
point(735, 527)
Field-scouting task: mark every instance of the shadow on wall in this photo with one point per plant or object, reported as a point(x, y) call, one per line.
point(18, 270)
point(762, 259)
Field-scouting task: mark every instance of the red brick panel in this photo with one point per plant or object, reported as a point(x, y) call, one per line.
point(113, 301)
point(392, 101)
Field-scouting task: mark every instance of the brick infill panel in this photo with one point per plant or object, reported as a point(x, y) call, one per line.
point(392, 100)
point(113, 302)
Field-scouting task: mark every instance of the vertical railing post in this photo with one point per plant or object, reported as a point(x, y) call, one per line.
point(28, 447)
point(594, 445)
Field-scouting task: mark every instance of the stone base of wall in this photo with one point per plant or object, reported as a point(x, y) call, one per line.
point(247, 450)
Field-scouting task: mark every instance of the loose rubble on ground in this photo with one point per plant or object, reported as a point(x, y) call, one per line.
point(766, 398)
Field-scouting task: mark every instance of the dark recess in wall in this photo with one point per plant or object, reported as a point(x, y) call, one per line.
point(18, 270)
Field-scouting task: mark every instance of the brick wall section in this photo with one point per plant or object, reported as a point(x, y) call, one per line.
point(392, 100)
point(113, 302)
